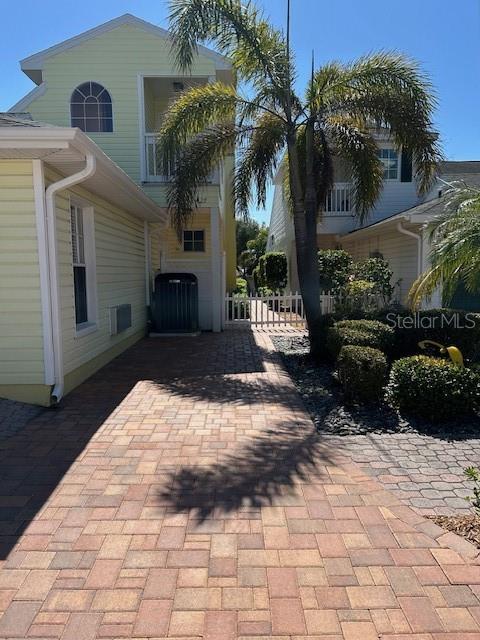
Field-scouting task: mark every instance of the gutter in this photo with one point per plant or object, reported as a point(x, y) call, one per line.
point(418, 238)
point(55, 300)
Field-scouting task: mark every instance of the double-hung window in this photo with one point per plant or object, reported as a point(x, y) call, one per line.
point(389, 159)
point(83, 259)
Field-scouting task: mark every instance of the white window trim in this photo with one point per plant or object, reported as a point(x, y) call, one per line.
point(204, 250)
point(91, 324)
point(398, 152)
point(96, 133)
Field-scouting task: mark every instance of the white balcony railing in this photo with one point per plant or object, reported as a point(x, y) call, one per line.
point(153, 165)
point(339, 200)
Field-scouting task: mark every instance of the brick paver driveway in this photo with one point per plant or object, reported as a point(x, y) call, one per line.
point(182, 491)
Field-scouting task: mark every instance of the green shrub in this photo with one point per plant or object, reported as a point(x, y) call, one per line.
point(257, 278)
point(273, 270)
point(378, 273)
point(362, 372)
point(241, 287)
point(433, 388)
point(334, 269)
point(358, 298)
point(362, 333)
point(473, 474)
point(447, 326)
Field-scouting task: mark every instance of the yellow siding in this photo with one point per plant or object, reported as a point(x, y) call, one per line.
point(21, 346)
point(157, 233)
point(174, 248)
point(114, 59)
point(120, 276)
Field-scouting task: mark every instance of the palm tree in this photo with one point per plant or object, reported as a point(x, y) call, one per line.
point(455, 247)
point(343, 106)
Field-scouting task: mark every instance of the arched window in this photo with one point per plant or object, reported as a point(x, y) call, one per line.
point(91, 108)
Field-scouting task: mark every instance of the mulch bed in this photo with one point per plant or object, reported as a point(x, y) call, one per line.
point(466, 526)
point(324, 400)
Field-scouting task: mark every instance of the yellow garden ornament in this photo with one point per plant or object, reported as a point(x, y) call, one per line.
point(454, 353)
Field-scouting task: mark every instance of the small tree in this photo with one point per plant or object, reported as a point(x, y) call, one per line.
point(273, 270)
point(245, 230)
point(255, 248)
point(337, 115)
point(335, 268)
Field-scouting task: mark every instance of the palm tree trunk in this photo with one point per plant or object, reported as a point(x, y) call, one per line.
point(304, 222)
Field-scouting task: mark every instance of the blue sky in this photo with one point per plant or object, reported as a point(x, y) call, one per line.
point(444, 36)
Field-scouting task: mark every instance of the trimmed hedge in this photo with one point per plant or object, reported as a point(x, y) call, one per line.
point(447, 326)
point(363, 333)
point(432, 388)
point(362, 372)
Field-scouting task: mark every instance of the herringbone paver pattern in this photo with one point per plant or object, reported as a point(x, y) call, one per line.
point(183, 492)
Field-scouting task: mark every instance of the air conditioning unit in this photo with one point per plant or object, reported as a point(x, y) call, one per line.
point(120, 318)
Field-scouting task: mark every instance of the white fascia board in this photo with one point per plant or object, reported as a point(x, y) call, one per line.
point(59, 138)
point(35, 62)
point(378, 227)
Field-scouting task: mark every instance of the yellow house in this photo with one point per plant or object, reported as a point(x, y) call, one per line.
point(84, 227)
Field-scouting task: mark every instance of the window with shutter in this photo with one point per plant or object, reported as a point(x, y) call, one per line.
point(389, 159)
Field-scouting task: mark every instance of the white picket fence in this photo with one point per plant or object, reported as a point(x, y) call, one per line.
point(276, 310)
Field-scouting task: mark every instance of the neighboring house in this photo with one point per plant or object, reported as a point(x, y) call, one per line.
point(396, 229)
point(84, 226)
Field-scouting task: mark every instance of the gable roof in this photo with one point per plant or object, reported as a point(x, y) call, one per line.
point(32, 66)
point(20, 119)
point(467, 171)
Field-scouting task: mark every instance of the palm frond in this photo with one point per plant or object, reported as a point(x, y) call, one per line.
point(358, 148)
point(239, 32)
point(197, 159)
point(193, 111)
point(258, 161)
point(455, 255)
point(387, 90)
point(424, 286)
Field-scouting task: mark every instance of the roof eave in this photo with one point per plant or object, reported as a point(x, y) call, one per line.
point(64, 138)
point(381, 225)
point(32, 65)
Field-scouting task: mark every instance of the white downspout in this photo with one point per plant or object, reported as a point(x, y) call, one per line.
point(418, 238)
point(50, 194)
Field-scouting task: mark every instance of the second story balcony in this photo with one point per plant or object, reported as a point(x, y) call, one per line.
point(155, 171)
point(339, 200)
point(158, 94)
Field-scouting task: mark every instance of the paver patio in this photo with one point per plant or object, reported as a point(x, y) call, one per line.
point(182, 491)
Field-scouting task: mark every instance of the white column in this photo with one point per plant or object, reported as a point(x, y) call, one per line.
point(45, 298)
point(148, 261)
point(141, 127)
point(216, 270)
point(223, 289)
